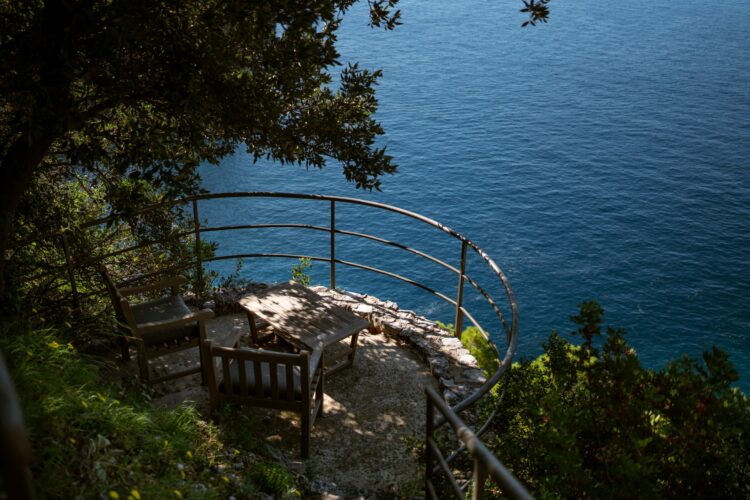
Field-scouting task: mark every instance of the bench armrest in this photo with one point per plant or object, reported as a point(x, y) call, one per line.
point(170, 282)
point(157, 326)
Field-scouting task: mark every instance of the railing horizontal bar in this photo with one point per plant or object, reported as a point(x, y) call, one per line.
point(337, 261)
point(267, 255)
point(141, 245)
point(505, 479)
point(337, 231)
point(402, 247)
point(398, 277)
point(264, 226)
point(446, 468)
point(495, 307)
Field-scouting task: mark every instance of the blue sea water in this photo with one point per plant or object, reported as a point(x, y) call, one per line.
point(603, 156)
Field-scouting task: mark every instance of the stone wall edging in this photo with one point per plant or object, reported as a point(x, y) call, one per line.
point(454, 367)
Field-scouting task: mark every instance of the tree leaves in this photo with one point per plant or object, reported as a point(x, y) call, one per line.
point(537, 10)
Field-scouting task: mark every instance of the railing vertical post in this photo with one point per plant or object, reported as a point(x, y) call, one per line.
point(460, 296)
point(198, 251)
point(333, 244)
point(479, 477)
point(71, 275)
point(427, 449)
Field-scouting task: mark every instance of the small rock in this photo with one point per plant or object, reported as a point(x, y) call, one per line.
point(467, 360)
point(363, 309)
point(450, 396)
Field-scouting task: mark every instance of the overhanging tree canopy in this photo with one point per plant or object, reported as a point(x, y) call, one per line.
point(149, 89)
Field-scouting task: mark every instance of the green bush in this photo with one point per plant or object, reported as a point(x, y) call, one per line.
point(482, 349)
point(591, 421)
point(94, 438)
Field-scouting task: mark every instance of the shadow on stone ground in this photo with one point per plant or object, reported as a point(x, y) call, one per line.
point(373, 414)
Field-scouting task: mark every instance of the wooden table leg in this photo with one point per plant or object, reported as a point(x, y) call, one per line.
point(253, 327)
point(353, 348)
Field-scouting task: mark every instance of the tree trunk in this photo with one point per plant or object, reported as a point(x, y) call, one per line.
point(16, 174)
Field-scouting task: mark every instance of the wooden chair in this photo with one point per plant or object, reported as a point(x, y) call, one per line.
point(268, 379)
point(158, 327)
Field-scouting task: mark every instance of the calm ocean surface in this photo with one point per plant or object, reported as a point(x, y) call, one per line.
point(605, 156)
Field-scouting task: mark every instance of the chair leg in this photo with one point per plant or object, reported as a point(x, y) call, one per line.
point(201, 354)
point(124, 349)
point(143, 363)
point(305, 444)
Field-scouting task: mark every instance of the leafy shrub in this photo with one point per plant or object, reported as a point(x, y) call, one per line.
point(97, 439)
point(300, 271)
point(272, 478)
point(37, 273)
point(482, 349)
point(590, 421)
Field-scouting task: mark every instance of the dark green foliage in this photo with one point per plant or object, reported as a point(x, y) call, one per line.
point(590, 421)
point(272, 478)
point(38, 274)
point(134, 96)
point(92, 437)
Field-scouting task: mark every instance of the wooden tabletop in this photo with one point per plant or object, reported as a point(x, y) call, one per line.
point(303, 316)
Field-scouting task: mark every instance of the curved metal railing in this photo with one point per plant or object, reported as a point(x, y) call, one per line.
point(508, 325)
point(510, 330)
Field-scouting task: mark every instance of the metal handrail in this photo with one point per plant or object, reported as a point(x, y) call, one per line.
point(484, 461)
point(510, 330)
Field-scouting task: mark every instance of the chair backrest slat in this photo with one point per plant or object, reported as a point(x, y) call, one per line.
point(274, 380)
point(289, 386)
point(242, 370)
point(258, 378)
point(227, 378)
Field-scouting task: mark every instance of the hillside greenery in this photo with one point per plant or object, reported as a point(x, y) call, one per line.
point(588, 420)
point(97, 435)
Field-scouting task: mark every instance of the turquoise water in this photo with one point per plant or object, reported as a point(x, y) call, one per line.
point(605, 155)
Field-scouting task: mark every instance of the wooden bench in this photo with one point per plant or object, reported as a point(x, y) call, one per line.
point(268, 379)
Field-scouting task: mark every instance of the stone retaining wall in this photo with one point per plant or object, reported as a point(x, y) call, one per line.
point(450, 363)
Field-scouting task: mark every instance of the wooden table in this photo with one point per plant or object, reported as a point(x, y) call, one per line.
point(305, 319)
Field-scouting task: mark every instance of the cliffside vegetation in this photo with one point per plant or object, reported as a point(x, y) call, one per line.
point(588, 420)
